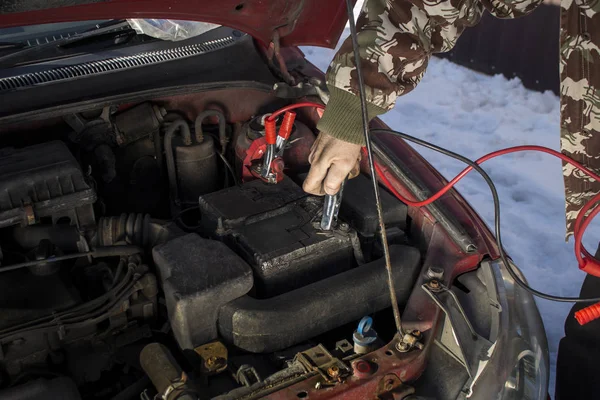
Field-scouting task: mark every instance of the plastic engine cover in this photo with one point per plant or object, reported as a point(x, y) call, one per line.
point(41, 181)
point(198, 277)
point(229, 208)
point(360, 210)
point(287, 252)
point(271, 227)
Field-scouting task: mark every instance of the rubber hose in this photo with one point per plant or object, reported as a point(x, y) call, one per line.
point(222, 128)
point(187, 140)
point(267, 325)
point(164, 372)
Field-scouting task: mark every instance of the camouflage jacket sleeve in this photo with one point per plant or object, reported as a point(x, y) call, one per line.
point(397, 38)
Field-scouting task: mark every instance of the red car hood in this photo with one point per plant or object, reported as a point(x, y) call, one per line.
point(298, 22)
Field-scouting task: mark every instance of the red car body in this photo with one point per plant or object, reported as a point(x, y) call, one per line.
point(452, 235)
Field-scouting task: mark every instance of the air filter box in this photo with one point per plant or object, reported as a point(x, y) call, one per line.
point(43, 181)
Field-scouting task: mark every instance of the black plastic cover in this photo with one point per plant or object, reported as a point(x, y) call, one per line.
point(271, 227)
point(358, 207)
point(198, 277)
point(287, 252)
point(262, 326)
point(41, 181)
point(232, 206)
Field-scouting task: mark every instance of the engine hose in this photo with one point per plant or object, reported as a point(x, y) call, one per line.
point(158, 142)
point(165, 373)
point(222, 128)
point(125, 229)
point(276, 323)
point(187, 140)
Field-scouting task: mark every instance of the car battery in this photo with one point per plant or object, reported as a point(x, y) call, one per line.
point(275, 229)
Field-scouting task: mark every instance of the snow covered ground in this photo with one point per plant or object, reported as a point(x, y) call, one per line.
point(473, 114)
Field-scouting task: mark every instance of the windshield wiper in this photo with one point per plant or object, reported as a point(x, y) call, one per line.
point(12, 45)
point(27, 53)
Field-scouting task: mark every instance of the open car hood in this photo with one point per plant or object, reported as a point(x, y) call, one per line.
point(298, 22)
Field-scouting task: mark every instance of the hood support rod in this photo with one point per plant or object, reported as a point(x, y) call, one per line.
point(365, 121)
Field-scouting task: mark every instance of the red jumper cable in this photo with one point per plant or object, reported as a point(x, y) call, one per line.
point(585, 260)
point(270, 150)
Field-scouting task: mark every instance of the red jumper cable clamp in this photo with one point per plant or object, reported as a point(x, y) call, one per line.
point(271, 149)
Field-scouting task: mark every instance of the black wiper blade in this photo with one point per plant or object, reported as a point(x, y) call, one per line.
point(28, 51)
point(115, 23)
point(12, 45)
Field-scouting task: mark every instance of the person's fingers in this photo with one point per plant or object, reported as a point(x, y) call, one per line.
point(311, 155)
point(331, 161)
point(336, 174)
point(355, 170)
point(313, 183)
point(315, 150)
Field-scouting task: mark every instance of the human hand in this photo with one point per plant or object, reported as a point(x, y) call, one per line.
point(332, 160)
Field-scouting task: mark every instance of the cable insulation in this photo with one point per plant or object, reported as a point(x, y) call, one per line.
point(498, 231)
point(584, 258)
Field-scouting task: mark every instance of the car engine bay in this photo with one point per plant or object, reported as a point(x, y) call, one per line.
point(135, 244)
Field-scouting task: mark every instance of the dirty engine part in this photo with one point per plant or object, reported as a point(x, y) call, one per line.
point(198, 277)
point(172, 279)
point(267, 325)
point(165, 373)
point(358, 207)
point(43, 181)
point(272, 228)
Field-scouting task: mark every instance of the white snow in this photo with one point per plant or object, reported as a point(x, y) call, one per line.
point(474, 114)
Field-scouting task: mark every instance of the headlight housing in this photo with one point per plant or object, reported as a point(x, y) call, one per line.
point(518, 364)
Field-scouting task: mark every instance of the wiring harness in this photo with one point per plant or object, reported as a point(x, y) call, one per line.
point(586, 261)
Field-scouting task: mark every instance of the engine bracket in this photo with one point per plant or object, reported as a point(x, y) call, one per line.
point(318, 359)
point(214, 357)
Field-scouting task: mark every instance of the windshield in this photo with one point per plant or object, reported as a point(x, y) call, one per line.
point(38, 34)
point(35, 43)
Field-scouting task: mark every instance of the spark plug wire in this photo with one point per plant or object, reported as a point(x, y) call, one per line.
point(586, 261)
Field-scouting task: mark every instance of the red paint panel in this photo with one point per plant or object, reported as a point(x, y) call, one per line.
point(308, 22)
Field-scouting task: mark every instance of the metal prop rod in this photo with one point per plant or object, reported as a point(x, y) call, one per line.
point(365, 121)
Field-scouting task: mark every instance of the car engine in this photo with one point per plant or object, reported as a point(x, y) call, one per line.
point(140, 256)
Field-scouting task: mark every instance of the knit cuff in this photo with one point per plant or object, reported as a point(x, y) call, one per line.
point(342, 118)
